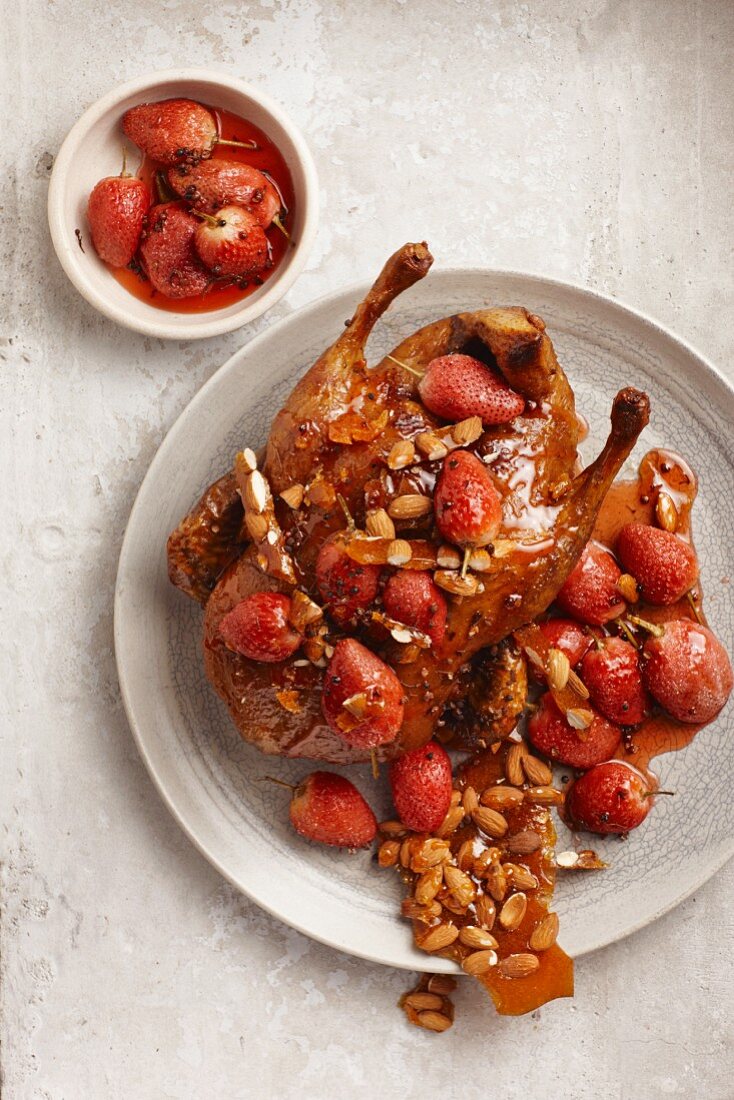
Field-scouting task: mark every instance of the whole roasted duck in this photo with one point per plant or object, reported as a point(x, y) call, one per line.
point(353, 444)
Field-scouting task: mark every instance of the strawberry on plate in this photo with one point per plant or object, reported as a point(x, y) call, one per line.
point(329, 809)
point(346, 586)
point(116, 212)
point(215, 183)
point(614, 681)
point(456, 387)
point(231, 242)
point(590, 592)
point(568, 636)
point(466, 503)
point(421, 787)
point(552, 734)
point(362, 698)
point(412, 598)
point(174, 131)
point(168, 255)
point(612, 797)
point(258, 627)
point(664, 566)
point(688, 671)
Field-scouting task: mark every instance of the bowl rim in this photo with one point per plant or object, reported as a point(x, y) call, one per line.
point(166, 328)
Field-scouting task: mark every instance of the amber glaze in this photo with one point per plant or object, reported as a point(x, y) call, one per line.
point(267, 158)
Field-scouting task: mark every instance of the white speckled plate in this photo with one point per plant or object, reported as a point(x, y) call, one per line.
point(211, 779)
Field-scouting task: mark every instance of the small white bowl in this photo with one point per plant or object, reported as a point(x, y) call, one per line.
point(93, 148)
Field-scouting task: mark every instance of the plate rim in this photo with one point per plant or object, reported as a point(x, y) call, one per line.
point(357, 290)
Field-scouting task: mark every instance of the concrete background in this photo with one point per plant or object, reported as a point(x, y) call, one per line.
point(590, 141)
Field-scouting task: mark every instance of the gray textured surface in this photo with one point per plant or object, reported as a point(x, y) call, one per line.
point(588, 141)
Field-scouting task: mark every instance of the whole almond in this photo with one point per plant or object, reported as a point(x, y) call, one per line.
point(423, 1001)
point(379, 524)
point(428, 853)
point(470, 800)
point(465, 856)
point(434, 1021)
point(577, 684)
point(448, 557)
point(520, 877)
point(401, 454)
point(523, 843)
point(399, 552)
point(257, 526)
point(666, 512)
point(460, 885)
point(495, 883)
point(501, 797)
point(491, 822)
point(513, 911)
point(538, 773)
point(627, 588)
point(392, 828)
point(544, 796)
point(442, 984)
point(410, 506)
point(513, 764)
point(411, 910)
point(519, 966)
point(439, 936)
point(432, 446)
point(485, 912)
point(387, 855)
point(545, 934)
point(479, 962)
point(557, 669)
point(257, 492)
point(428, 885)
point(451, 822)
point(467, 431)
point(477, 938)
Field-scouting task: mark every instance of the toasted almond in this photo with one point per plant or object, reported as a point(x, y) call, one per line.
point(428, 885)
point(484, 861)
point(392, 828)
point(557, 669)
point(399, 552)
point(368, 550)
point(479, 962)
point(356, 705)
point(501, 797)
point(379, 524)
point(406, 851)
point(303, 611)
point(428, 853)
point(439, 936)
point(566, 859)
point(249, 459)
point(523, 843)
point(666, 512)
point(589, 861)
point(401, 454)
point(495, 882)
point(314, 648)
point(421, 1001)
point(577, 684)
point(448, 557)
point(451, 822)
point(455, 797)
point(467, 431)
point(434, 1021)
point(257, 492)
point(519, 966)
point(579, 718)
point(388, 852)
point(520, 877)
point(293, 496)
point(485, 912)
point(513, 764)
point(538, 773)
point(441, 984)
point(544, 796)
point(470, 800)
point(465, 856)
point(410, 506)
point(627, 588)
point(513, 911)
point(411, 910)
point(432, 446)
point(480, 561)
point(460, 885)
point(257, 526)
point(478, 938)
point(454, 583)
point(545, 934)
point(491, 822)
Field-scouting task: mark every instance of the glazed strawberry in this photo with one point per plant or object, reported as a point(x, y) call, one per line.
point(688, 671)
point(590, 592)
point(258, 628)
point(345, 585)
point(455, 387)
point(328, 808)
point(412, 598)
point(610, 798)
point(552, 735)
point(115, 211)
point(612, 676)
point(216, 183)
point(664, 566)
point(421, 787)
point(174, 131)
point(167, 253)
point(231, 242)
point(362, 698)
point(569, 637)
point(466, 503)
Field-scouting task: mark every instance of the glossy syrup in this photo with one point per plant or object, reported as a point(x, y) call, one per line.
point(267, 158)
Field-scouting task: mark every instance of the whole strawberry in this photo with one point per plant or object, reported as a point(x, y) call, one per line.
point(412, 598)
point(215, 183)
point(590, 592)
point(664, 566)
point(328, 808)
point(174, 131)
point(554, 736)
point(466, 503)
point(610, 798)
point(455, 387)
point(116, 211)
point(345, 585)
point(258, 627)
point(421, 787)
point(688, 671)
point(362, 698)
point(231, 242)
point(612, 676)
point(569, 637)
point(167, 253)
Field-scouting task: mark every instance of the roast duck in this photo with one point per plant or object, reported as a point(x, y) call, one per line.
point(355, 457)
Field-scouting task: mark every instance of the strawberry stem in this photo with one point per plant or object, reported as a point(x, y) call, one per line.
point(405, 366)
point(280, 782)
point(278, 223)
point(654, 794)
point(627, 633)
point(375, 765)
point(351, 525)
point(465, 563)
point(238, 144)
point(124, 172)
point(651, 628)
point(694, 607)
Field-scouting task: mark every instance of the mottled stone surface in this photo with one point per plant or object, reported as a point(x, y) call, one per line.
point(589, 141)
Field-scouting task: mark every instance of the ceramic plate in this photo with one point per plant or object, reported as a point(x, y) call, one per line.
point(212, 781)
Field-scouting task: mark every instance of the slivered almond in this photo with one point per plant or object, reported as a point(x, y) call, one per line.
point(538, 773)
point(438, 937)
point(479, 962)
point(448, 557)
point(485, 912)
point(666, 512)
point(467, 431)
point(401, 454)
point(513, 764)
point(379, 524)
point(558, 668)
point(293, 496)
point(627, 588)
point(432, 446)
point(519, 966)
point(545, 934)
point(422, 1001)
point(523, 843)
point(410, 506)
point(501, 798)
point(434, 1021)
point(399, 552)
point(579, 718)
point(513, 911)
point(478, 938)
point(457, 585)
